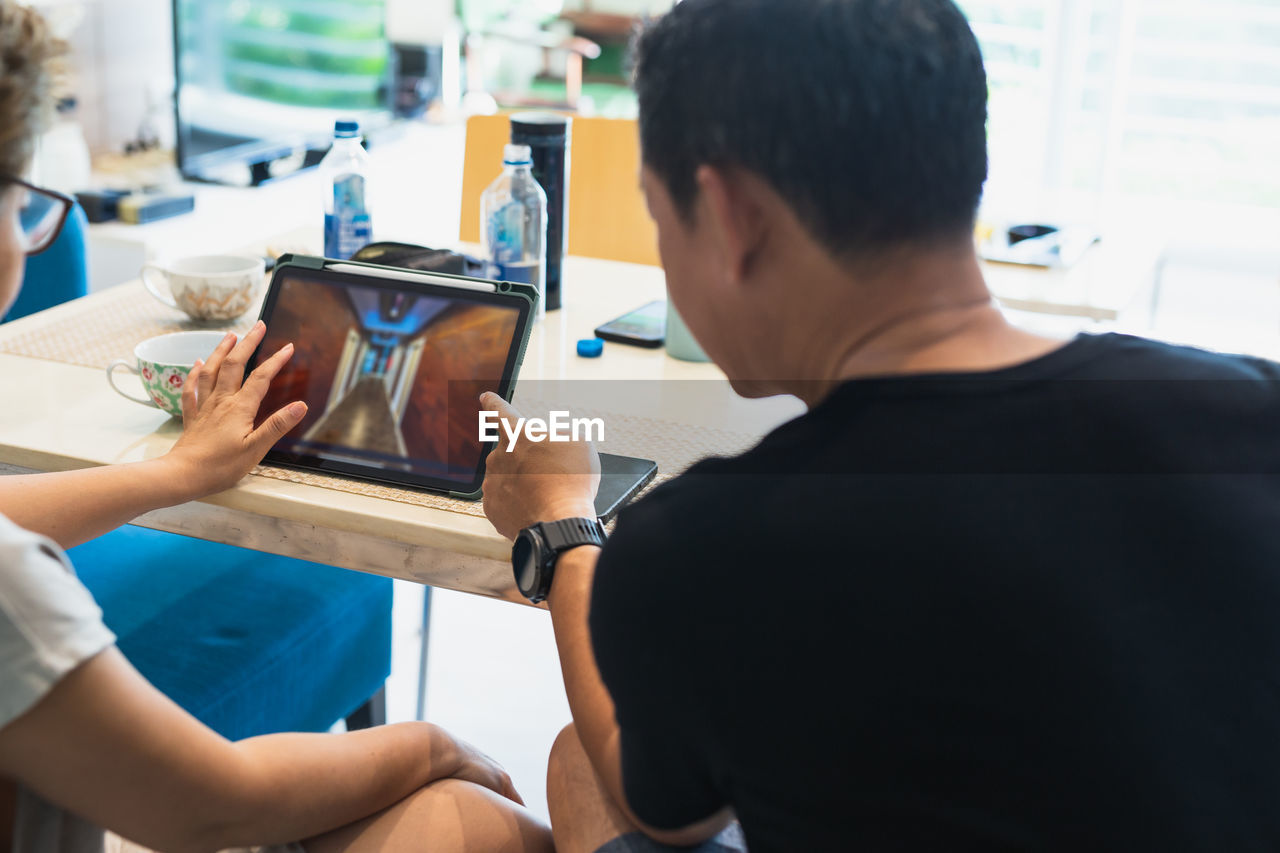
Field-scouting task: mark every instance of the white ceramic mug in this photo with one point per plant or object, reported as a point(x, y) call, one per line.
point(162, 363)
point(208, 287)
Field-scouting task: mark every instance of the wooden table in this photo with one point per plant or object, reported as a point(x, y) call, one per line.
point(61, 416)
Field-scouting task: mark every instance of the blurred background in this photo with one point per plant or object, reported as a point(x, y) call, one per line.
point(1148, 116)
point(1093, 102)
point(1160, 111)
point(240, 61)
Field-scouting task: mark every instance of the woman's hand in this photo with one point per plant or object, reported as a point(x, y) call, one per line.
point(474, 766)
point(219, 442)
point(218, 447)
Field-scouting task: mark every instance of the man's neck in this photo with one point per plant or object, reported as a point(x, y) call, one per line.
point(924, 313)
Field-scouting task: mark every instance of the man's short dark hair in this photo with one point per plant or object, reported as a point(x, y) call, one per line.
point(867, 116)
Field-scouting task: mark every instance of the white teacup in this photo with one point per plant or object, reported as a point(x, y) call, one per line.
point(163, 363)
point(208, 287)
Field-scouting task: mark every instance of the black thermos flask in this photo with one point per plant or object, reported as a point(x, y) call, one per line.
point(547, 135)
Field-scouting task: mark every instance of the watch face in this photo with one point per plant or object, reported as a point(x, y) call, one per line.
point(524, 559)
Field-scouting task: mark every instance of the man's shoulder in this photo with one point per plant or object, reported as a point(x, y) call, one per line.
point(700, 500)
point(714, 495)
point(1132, 357)
point(704, 539)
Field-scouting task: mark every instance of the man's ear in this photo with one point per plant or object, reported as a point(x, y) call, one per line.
point(736, 216)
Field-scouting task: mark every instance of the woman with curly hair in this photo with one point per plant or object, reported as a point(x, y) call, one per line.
point(90, 753)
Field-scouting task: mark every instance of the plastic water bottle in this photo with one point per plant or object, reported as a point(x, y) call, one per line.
point(513, 224)
point(348, 226)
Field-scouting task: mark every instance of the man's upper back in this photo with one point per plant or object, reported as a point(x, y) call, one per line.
point(1030, 608)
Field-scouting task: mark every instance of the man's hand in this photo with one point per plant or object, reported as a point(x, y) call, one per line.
point(219, 443)
point(537, 481)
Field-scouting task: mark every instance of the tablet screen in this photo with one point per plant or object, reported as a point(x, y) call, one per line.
point(391, 372)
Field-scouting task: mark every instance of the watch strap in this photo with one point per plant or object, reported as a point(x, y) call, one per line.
point(569, 533)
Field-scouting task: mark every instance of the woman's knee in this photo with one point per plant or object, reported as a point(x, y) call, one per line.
point(447, 815)
point(481, 819)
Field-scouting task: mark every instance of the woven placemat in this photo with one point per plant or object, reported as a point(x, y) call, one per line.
point(110, 327)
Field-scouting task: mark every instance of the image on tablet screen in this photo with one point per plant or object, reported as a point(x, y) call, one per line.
point(391, 378)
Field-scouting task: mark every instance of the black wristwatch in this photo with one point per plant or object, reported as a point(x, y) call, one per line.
point(536, 549)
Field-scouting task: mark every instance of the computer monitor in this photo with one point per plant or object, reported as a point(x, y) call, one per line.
point(259, 85)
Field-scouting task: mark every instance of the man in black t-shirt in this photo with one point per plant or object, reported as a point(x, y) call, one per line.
point(992, 591)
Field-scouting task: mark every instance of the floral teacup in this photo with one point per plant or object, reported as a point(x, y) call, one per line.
point(163, 364)
point(209, 287)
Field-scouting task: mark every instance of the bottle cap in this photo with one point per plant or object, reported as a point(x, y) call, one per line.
point(517, 155)
point(539, 124)
point(346, 127)
point(590, 347)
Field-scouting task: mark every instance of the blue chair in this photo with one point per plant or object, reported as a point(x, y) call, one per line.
point(58, 274)
point(248, 643)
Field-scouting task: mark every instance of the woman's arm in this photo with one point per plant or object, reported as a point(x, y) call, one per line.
point(107, 745)
point(71, 507)
point(219, 445)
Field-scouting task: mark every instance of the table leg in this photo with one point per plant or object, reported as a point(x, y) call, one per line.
point(1157, 282)
point(422, 653)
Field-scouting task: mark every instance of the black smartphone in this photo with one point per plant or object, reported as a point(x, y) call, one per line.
point(621, 479)
point(643, 327)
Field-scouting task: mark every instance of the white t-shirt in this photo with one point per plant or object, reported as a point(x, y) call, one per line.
point(49, 622)
point(49, 625)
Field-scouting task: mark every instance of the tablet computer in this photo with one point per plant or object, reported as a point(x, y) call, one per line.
point(391, 364)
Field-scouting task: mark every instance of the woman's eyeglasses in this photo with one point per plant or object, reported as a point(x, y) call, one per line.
point(41, 214)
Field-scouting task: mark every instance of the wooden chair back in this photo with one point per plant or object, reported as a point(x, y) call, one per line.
point(607, 214)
